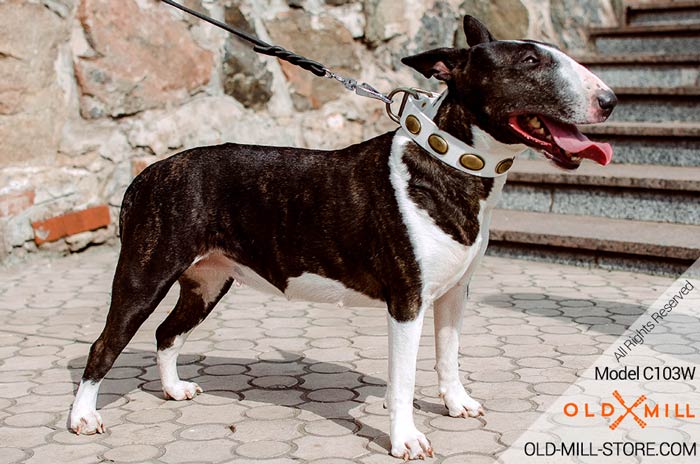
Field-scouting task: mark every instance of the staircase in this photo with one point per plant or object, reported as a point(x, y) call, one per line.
point(643, 211)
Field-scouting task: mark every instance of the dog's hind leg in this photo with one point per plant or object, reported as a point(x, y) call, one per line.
point(140, 283)
point(201, 288)
point(449, 312)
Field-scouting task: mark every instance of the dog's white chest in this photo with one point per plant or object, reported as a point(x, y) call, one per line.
point(442, 260)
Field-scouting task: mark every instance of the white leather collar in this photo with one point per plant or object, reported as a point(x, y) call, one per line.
point(417, 124)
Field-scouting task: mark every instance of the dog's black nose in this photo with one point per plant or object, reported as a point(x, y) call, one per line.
point(607, 101)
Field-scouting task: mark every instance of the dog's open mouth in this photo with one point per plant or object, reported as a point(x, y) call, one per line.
point(561, 142)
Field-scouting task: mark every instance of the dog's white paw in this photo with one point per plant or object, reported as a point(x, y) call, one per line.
point(181, 390)
point(408, 443)
point(86, 422)
point(460, 404)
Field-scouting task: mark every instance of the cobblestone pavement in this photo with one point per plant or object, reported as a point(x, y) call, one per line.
point(294, 381)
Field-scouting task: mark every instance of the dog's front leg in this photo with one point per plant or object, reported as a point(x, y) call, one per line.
point(406, 441)
point(449, 312)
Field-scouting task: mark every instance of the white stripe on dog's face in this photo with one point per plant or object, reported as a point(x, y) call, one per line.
point(584, 85)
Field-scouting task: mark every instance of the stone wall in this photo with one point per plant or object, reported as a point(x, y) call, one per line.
point(92, 91)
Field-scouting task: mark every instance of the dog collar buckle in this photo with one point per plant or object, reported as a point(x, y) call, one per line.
point(418, 107)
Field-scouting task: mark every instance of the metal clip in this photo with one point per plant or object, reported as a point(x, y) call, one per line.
point(363, 90)
point(366, 90)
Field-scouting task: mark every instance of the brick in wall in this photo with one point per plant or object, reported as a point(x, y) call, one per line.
point(58, 227)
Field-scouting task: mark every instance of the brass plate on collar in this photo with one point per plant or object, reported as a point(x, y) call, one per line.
point(503, 166)
point(471, 161)
point(438, 144)
point(413, 124)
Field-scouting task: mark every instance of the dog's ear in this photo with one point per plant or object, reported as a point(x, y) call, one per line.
point(438, 63)
point(476, 32)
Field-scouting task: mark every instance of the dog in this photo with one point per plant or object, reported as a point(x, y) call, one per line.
point(381, 223)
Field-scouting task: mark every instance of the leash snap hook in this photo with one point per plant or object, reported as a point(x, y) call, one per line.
point(362, 90)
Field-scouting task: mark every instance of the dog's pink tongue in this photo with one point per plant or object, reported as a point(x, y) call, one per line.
point(569, 138)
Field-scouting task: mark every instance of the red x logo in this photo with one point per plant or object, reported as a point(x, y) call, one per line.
point(628, 410)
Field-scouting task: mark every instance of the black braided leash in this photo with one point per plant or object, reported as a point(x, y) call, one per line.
point(363, 90)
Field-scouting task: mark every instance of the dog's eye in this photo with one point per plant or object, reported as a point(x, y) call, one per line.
point(531, 59)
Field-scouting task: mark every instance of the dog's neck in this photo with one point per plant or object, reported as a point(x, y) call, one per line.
point(458, 202)
point(455, 118)
point(484, 156)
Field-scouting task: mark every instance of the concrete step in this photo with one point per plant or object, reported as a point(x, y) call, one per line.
point(657, 104)
point(686, 179)
point(671, 241)
point(667, 71)
point(644, 193)
point(655, 39)
point(667, 144)
point(662, 12)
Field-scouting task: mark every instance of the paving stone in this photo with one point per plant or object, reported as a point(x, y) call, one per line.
point(11, 455)
point(280, 356)
point(332, 354)
point(492, 376)
point(132, 453)
point(317, 381)
point(24, 438)
point(19, 376)
point(56, 388)
point(198, 451)
point(279, 397)
point(332, 428)
point(225, 369)
point(263, 449)
point(453, 424)
point(151, 416)
point(242, 460)
point(85, 453)
point(538, 362)
point(332, 461)
point(206, 432)
point(275, 382)
point(284, 332)
point(330, 342)
point(331, 395)
point(127, 434)
point(36, 403)
point(194, 413)
point(504, 390)
point(313, 447)
point(217, 397)
point(271, 412)
point(30, 419)
point(253, 430)
point(475, 441)
point(508, 405)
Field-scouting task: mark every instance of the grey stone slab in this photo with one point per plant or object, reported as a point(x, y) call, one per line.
point(620, 73)
point(597, 234)
point(657, 108)
point(660, 13)
point(655, 44)
point(615, 203)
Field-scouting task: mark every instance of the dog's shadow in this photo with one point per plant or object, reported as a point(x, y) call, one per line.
point(284, 382)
